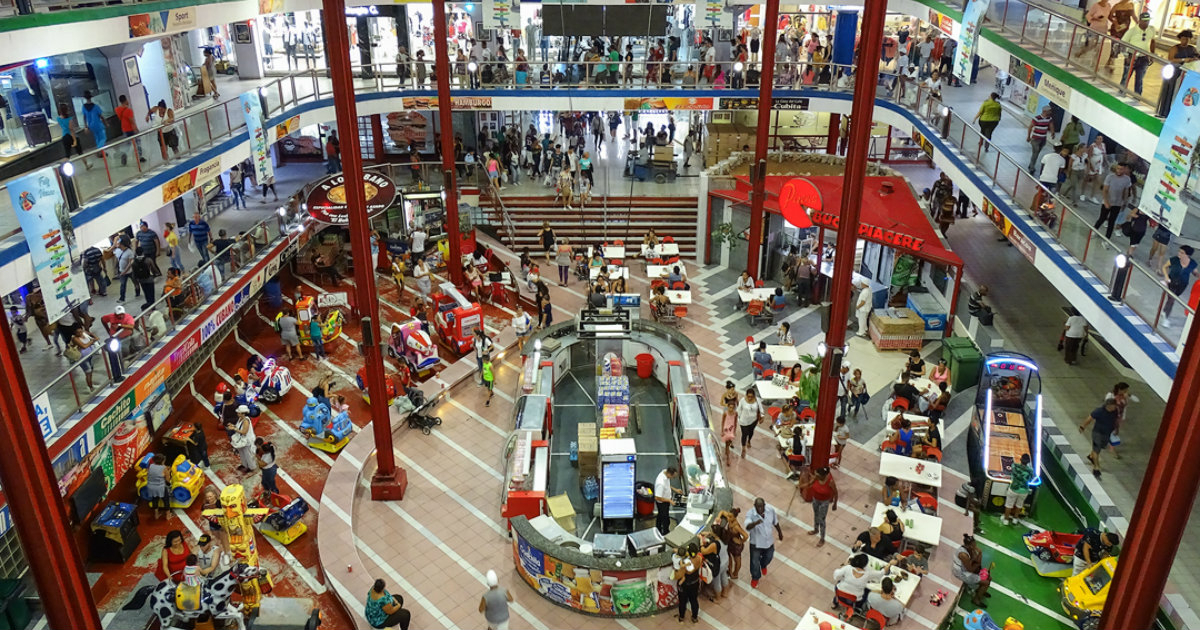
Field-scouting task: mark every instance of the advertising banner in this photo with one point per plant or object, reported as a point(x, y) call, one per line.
point(327, 200)
point(456, 102)
point(45, 415)
point(1015, 236)
point(669, 102)
point(43, 215)
point(605, 593)
point(181, 185)
point(968, 39)
point(777, 104)
point(501, 14)
point(160, 22)
point(260, 148)
point(1056, 91)
point(411, 128)
point(287, 127)
point(1169, 184)
point(715, 14)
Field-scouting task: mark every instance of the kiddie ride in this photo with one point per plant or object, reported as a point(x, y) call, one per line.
point(268, 380)
point(1052, 552)
point(331, 327)
point(1083, 595)
point(248, 397)
point(325, 432)
point(410, 344)
point(456, 318)
point(282, 521)
point(183, 484)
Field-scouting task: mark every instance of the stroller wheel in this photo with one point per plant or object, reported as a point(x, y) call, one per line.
point(426, 430)
point(437, 422)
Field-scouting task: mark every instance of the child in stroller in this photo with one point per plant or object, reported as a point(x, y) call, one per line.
point(581, 265)
point(1047, 213)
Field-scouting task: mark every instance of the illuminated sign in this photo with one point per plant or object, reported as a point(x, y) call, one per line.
point(327, 201)
point(873, 232)
point(362, 11)
point(797, 197)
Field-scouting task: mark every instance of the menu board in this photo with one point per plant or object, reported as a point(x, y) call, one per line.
point(617, 490)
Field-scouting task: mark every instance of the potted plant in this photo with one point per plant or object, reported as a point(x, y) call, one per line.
point(810, 380)
point(724, 234)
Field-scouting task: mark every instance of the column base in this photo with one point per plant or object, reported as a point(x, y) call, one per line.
point(389, 487)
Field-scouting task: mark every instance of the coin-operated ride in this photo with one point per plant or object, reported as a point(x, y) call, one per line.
point(325, 431)
point(237, 520)
point(184, 481)
point(456, 318)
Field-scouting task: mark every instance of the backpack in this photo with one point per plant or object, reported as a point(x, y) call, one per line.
point(140, 269)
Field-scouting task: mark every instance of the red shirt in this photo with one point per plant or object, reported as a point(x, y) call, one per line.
point(125, 115)
point(821, 491)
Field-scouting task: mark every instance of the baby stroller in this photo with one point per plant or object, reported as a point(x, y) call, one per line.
point(1046, 214)
point(581, 266)
point(419, 417)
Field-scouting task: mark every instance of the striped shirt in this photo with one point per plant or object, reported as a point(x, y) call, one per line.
point(1041, 127)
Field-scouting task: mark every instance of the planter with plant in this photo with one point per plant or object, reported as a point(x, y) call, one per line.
point(724, 234)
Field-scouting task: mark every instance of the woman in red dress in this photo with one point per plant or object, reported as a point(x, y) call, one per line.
point(173, 559)
point(379, 241)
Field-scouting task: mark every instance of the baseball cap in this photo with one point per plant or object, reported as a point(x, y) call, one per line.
point(1144, 16)
point(119, 310)
point(243, 409)
point(492, 580)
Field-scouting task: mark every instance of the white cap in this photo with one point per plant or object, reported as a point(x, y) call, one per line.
point(492, 580)
point(119, 310)
point(243, 409)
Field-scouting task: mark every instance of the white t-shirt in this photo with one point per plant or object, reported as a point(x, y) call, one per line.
point(1076, 326)
point(748, 412)
point(745, 285)
point(864, 297)
point(418, 240)
point(662, 486)
point(1052, 163)
point(1095, 157)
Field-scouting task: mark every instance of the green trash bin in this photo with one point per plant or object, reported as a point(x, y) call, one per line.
point(16, 613)
point(964, 362)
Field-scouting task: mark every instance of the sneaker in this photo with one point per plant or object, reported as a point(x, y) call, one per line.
point(1083, 198)
point(753, 583)
point(1166, 322)
point(764, 570)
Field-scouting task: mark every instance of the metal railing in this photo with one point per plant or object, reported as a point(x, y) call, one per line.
point(69, 391)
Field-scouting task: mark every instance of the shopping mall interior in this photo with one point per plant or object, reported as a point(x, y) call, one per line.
point(599, 248)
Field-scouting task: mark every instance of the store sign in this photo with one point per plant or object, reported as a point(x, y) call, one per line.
point(334, 298)
point(669, 103)
point(456, 102)
point(780, 104)
point(797, 198)
point(44, 415)
point(943, 23)
point(1010, 231)
point(922, 142)
point(160, 22)
point(42, 213)
point(366, 11)
point(873, 232)
point(501, 14)
point(327, 200)
point(181, 185)
point(1170, 181)
point(1055, 90)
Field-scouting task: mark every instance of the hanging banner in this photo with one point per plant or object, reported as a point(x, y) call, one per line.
point(181, 185)
point(788, 103)
point(715, 15)
point(45, 415)
point(969, 38)
point(327, 199)
point(456, 102)
point(1010, 231)
point(501, 14)
point(260, 148)
point(43, 215)
point(161, 22)
point(1170, 184)
point(669, 102)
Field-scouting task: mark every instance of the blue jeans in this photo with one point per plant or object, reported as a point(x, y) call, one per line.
point(202, 247)
point(268, 478)
point(177, 258)
point(760, 557)
point(318, 346)
point(1140, 64)
point(239, 194)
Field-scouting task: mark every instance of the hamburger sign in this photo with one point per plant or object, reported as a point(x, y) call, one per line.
point(327, 200)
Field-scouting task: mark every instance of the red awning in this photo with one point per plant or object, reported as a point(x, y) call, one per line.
point(894, 219)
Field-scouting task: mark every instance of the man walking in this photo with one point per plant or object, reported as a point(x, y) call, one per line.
point(1041, 127)
point(664, 497)
point(1103, 420)
point(762, 546)
point(1113, 196)
point(201, 233)
point(124, 266)
point(150, 245)
point(494, 603)
point(1140, 36)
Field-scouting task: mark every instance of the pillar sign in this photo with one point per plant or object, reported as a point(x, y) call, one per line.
point(797, 198)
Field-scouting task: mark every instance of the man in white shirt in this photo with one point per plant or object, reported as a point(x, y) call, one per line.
point(1052, 164)
point(210, 558)
point(886, 602)
point(862, 306)
point(758, 523)
point(1141, 37)
point(417, 245)
point(1074, 331)
point(664, 496)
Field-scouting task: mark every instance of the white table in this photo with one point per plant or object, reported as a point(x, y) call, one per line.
point(918, 526)
point(905, 588)
point(660, 272)
point(812, 618)
point(679, 297)
point(809, 429)
point(905, 468)
point(920, 424)
point(765, 294)
point(613, 251)
point(768, 390)
point(783, 356)
point(613, 272)
point(662, 250)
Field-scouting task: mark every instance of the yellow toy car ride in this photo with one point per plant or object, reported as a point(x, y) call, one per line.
point(1083, 595)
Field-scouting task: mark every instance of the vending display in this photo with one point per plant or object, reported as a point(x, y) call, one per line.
point(616, 495)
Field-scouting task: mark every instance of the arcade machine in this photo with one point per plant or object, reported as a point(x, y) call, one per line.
point(1007, 423)
point(331, 326)
point(183, 485)
point(456, 318)
point(528, 457)
point(618, 469)
point(427, 208)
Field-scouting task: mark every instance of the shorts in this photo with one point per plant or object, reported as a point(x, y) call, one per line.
point(1136, 238)
point(1014, 499)
point(503, 625)
point(290, 340)
point(489, 384)
point(1099, 441)
point(22, 337)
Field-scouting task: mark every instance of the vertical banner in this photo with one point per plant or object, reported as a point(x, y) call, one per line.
point(502, 14)
point(42, 213)
point(969, 38)
point(1165, 195)
point(844, 36)
point(715, 15)
point(260, 148)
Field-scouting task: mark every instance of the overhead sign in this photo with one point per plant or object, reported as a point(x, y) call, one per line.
point(797, 197)
point(873, 233)
point(783, 104)
point(1056, 91)
point(160, 22)
point(456, 102)
point(327, 200)
point(179, 186)
point(669, 102)
point(44, 414)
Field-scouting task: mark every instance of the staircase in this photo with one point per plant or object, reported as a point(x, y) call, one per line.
point(604, 219)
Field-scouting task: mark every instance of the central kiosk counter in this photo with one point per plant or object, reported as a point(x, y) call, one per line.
point(590, 436)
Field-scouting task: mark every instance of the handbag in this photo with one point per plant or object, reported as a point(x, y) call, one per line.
point(72, 353)
point(706, 574)
point(863, 398)
point(239, 440)
point(1127, 229)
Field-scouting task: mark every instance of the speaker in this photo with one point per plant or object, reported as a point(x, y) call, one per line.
point(105, 549)
point(824, 310)
point(91, 492)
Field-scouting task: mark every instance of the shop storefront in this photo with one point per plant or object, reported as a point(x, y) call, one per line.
point(292, 41)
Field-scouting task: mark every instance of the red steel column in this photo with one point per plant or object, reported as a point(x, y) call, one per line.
point(31, 488)
point(389, 481)
point(1156, 525)
point(768, 26)
point(442, 66)
point(866, 78)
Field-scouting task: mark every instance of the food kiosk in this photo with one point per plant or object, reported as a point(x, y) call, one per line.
point(599, 553)
point(1006, 424)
